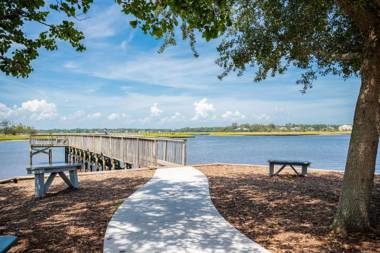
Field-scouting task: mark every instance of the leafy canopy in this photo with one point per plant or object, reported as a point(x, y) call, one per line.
point(17, 49)
point(270, 35)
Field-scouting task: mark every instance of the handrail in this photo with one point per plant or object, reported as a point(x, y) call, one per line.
point(137, 150)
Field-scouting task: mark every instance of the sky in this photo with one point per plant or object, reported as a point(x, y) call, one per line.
point(121, 81)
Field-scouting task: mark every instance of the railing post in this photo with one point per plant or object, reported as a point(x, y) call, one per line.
point(30, 151)
point(165, 156)
point(155, 153)
point(184, 152)
point(138, 153)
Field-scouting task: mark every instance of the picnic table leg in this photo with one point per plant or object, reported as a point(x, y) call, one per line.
point(74, 178)
point(298, 174)
point(49, 181)
point(64, 177)
point(278, 172)
point(39, 185)
point(304, 170)
point(271, 169)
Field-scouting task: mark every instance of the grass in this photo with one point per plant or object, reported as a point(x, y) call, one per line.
point(168, 135)
point(287, 133)
point(13, 137)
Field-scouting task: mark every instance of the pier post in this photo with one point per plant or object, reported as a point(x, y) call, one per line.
point(96, 163)
point(113, 164)
point(103, 163)
point(66, 154)
point(50, 156)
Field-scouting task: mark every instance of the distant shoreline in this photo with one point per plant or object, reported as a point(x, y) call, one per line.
point(14, 138)
point(194, 134)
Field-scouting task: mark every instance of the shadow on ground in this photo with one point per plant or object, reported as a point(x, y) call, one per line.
point(287, 213)
point(65, 221)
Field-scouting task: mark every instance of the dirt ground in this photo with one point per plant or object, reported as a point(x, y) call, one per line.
point(287, 213)
point(65, 220)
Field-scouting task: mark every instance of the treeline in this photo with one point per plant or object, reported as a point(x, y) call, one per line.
point(232, 128)
point(9, 128)
point(264, 128)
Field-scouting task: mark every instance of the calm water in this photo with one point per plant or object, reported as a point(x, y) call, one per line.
point(325, 152)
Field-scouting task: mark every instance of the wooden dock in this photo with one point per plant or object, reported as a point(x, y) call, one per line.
point(108, 152)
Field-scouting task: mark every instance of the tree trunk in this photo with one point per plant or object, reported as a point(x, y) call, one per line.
point(354, 202)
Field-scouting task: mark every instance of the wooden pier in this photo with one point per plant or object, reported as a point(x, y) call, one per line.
point(98, 152)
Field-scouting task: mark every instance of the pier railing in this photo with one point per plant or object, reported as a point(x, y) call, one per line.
point(134, 150)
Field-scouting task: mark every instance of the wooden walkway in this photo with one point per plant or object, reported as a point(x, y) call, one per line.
point(107, 152)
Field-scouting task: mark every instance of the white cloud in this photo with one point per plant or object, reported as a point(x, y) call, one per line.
point(173, 118)
point(125, 43)
point(30, 110)
point(104, 23)
point(263, 117)
point(155, 111)
point(94, 115)
point(116, 116)
point(229, 115)
point(70, 65)
point(36, 109)
point(202, 109)
point(4, 111)
point(74, 116)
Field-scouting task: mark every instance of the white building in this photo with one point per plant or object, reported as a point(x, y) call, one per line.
point(345, 128)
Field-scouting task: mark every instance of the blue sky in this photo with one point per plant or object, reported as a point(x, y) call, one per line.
point(121, 81)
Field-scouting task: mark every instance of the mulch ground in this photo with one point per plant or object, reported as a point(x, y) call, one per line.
point(65, 220)
point(287, 213)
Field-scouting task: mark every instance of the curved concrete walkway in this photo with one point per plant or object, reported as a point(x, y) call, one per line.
point(173, 213)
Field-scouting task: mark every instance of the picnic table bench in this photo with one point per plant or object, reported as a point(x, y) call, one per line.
point(6, 242)
point(41, 187)
point(291, 164)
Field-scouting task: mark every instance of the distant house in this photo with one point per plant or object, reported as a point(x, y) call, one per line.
point(241, 129)
point(345, 128)
point(295, 129)
point(283, 128)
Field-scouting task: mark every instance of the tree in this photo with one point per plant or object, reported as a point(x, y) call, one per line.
point(17, 50)
point(270, 36)
point(265, 36)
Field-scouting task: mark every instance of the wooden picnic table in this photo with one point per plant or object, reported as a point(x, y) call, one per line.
point(291, 164)
point(41, 187)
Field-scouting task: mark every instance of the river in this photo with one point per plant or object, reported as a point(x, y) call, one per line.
point(324, 152)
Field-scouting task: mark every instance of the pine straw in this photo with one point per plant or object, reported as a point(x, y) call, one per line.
point(65, 221)
point(286, 213)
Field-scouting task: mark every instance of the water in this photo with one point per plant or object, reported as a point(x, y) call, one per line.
point(14, 158)
point(324, 152)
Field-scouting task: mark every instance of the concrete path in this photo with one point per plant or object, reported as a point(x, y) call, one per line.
point(173, 213)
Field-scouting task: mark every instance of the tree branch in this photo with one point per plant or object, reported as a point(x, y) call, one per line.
point(363, 18)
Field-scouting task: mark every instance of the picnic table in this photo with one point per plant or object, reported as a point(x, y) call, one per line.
point(41, 187)
point(291, 164)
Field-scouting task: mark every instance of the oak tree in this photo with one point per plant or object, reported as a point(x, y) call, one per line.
point(265, 37)
point(340, 37)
